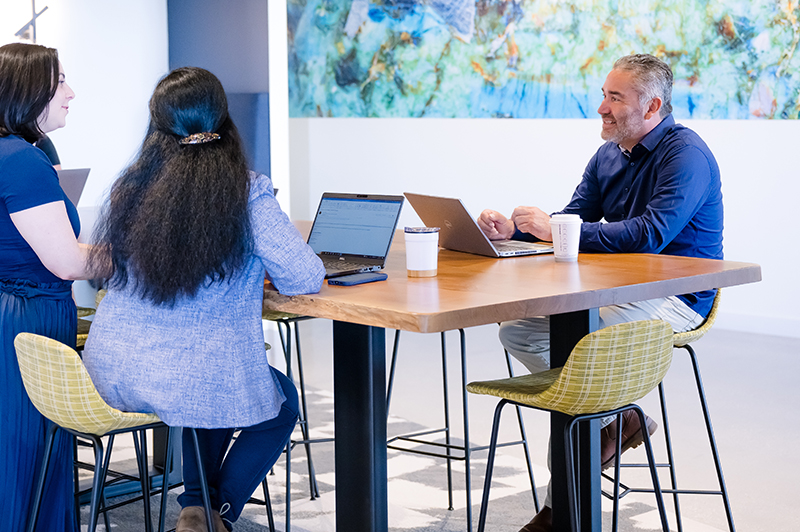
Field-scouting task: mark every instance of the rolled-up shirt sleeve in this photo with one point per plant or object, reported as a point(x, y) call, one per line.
point(291, 264)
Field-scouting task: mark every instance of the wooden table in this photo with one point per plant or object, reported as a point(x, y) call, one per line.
point(471, 290)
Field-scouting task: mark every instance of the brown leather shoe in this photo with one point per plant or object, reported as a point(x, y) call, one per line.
point(541, 522)
point(632, 436)
point(192, 519)
point(219, 524)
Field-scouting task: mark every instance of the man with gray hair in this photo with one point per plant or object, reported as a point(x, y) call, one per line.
point(653, 187)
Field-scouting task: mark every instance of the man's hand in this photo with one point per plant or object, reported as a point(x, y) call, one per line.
point(495, 226)
point(533, 220)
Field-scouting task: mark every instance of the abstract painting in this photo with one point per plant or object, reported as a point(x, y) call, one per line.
point(732, 59)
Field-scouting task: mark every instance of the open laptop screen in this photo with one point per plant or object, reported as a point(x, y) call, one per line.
point(359, 225)
point(72, 183)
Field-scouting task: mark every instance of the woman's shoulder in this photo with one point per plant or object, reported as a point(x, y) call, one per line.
point(260, 184)
point(17, 155)
point(14, 149)
point(24, 168)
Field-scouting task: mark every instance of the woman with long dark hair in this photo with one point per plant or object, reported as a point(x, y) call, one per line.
point(191, 234)
point(39, 253)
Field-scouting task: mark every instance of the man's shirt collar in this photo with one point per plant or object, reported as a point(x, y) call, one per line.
point(651, 140)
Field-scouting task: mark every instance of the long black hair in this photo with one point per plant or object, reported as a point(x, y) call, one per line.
point(177, 218)
point(28, 81)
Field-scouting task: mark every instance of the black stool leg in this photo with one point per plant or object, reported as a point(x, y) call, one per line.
point(524, 439)
point(97, 483)
point(467, 445)
point(288, 486)
point(286, 344)
point(268, 505)
point(572, 496)
point(487, 480)
point(106, 467)
point(662, 396)
point(162, 517)
point(617, 464)
point(390, 383)
point(37, 498)
point(76, 490)
point(140, 447)
point(711, 439)
point(312, 477)
point(203, 481)
point(446, 396)
point(653, 472)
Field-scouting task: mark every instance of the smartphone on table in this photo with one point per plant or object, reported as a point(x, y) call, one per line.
point(357, 278)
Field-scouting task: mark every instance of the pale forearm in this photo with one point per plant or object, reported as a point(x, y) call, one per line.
point(47, 230)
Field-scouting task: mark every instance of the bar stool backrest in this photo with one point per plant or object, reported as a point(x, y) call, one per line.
point(612, 367)
point(60, 388)
point(684, 338)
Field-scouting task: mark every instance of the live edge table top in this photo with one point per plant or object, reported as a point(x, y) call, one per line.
point(472, 290)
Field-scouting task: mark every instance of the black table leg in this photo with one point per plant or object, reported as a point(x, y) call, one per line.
point(359, 385)
point(565, 331)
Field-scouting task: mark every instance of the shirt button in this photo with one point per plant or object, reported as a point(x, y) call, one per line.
point(631, 164)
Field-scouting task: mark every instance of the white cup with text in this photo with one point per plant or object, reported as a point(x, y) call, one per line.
point(566, 229)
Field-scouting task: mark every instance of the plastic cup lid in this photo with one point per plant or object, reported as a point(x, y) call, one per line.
point(566, 218)
point(421, 229)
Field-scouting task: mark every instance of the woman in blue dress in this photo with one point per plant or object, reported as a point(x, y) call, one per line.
point(39, 253)
point(192, 235)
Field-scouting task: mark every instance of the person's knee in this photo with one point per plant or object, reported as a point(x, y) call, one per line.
point(528, 341)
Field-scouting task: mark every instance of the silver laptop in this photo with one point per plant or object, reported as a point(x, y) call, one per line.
point(459, 231)
point(72, 182)
point(352, 233)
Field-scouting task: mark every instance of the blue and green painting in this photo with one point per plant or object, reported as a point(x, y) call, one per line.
point(732, 59)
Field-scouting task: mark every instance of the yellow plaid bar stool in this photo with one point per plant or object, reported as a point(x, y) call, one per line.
point(62, 391)
point(683, 340)
point(450, 451)
point(606, 372)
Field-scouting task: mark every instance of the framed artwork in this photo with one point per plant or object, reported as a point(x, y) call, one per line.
point(732, 59)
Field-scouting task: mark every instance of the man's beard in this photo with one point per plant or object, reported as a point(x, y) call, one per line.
point(623, 128)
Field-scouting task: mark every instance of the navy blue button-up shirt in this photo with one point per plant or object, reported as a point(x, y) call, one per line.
point(665, 196)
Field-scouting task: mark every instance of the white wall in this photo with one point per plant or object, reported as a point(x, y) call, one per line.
point(113, 53)
point(504, 163)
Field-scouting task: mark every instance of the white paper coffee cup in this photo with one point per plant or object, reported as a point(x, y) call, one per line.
point(422, 251)
point(566, 229)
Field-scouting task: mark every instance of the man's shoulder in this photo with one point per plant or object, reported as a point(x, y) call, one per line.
point(679, 135)
point(684, 144)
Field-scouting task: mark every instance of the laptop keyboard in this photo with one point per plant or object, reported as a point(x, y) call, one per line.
point(341, 265)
